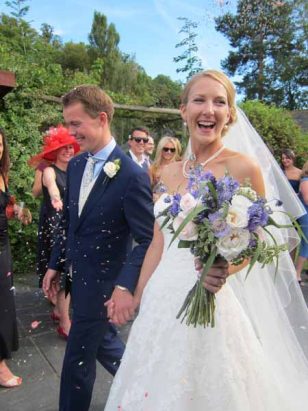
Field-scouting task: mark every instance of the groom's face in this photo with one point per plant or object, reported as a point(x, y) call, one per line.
point(89, 131)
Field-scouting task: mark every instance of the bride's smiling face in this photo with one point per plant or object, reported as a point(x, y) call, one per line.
point(206, 111)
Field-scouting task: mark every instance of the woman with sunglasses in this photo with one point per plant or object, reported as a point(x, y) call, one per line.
point(168, 150)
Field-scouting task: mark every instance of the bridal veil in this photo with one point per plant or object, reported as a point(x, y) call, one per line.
point(274, 304)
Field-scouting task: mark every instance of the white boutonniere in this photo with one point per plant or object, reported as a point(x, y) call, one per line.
point(111, 168)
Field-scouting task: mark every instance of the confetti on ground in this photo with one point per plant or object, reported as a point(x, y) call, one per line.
point(35, 324)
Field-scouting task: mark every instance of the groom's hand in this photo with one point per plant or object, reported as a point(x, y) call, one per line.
point(123, 306)
point(51, 283)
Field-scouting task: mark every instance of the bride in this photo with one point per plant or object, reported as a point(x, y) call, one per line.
point(255, 358)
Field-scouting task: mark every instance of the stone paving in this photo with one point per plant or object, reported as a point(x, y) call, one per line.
point(39, 358)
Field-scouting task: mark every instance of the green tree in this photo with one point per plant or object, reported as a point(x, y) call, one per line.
point(19, 11)
point(277, 128)
point(269, 51)
point(74, 56)
point(189, 57)
point(166, 92)
point(18, 7)
point(104, 40)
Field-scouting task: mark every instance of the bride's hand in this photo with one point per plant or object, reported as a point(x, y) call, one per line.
point(110, 308)
point(216, 276)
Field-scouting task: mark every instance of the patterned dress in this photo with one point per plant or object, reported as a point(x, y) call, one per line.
point(48, 228)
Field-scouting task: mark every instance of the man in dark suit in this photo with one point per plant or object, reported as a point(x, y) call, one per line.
point(137, 140)
point(108, 204)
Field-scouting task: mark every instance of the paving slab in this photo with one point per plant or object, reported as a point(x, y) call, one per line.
point(39, 358)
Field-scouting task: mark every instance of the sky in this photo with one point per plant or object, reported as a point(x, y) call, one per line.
point(148, 29)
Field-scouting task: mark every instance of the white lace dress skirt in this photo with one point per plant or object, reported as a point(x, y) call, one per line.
point(168, 366)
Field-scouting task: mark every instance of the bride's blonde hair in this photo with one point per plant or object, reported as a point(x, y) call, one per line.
point(222, 79)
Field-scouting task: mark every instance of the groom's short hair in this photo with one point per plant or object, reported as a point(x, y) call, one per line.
point(93, 99)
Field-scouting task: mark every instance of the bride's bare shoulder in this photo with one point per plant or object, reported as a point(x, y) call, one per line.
point(243, 167)
point(240, 163)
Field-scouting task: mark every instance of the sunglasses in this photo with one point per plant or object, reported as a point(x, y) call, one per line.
point(139, 139)
point(167, 149)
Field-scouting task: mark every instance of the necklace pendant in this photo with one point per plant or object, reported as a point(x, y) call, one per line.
point(192, 157)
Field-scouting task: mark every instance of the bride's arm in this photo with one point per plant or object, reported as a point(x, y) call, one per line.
point(151, 261)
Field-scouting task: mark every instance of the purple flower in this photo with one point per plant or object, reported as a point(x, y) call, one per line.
point(198, 179)
point(258, 216)
point(219, 224)
point(175, 206)
point(226, 187)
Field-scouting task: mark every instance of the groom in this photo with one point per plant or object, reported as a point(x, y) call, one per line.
point(108, 204)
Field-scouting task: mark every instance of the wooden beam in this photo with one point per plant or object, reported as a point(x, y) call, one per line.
point(154, 110)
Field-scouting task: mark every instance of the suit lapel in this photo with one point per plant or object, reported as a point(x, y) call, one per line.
point(99, 187)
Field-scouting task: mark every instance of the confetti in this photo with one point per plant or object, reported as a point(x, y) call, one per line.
point(35, 324)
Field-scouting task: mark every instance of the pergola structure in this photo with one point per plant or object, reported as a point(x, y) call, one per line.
point(7, 82)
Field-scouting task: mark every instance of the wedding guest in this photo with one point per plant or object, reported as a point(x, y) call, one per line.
point(59, 148)
point(149, 149)
point(168, 150)
point(37, 183)
point(168, 365)
point(108, 204)
point(8, 322)
point(303, 221)
point(137, 140)
point(292, 173)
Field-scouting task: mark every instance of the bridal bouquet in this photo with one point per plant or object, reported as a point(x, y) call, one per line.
point(219, 218)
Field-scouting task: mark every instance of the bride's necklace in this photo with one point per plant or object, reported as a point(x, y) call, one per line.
point(216, 154)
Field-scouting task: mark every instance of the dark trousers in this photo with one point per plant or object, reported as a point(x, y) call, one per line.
point(89, 340)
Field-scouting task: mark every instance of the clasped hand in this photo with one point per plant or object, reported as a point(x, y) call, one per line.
point(120, 307)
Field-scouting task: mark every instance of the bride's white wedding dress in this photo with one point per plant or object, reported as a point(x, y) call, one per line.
point(168, 366)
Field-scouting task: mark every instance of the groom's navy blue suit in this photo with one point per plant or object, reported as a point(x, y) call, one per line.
point(98, 246)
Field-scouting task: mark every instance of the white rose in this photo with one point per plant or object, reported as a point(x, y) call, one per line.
point(161, 204)
point(189, 232)
point(241, 201)
point(237, 216)
point(110, 169)
point(188, 203)
point(232, 245)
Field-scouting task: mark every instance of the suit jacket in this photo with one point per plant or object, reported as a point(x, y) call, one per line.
point(98, 243)
point(145, 164)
